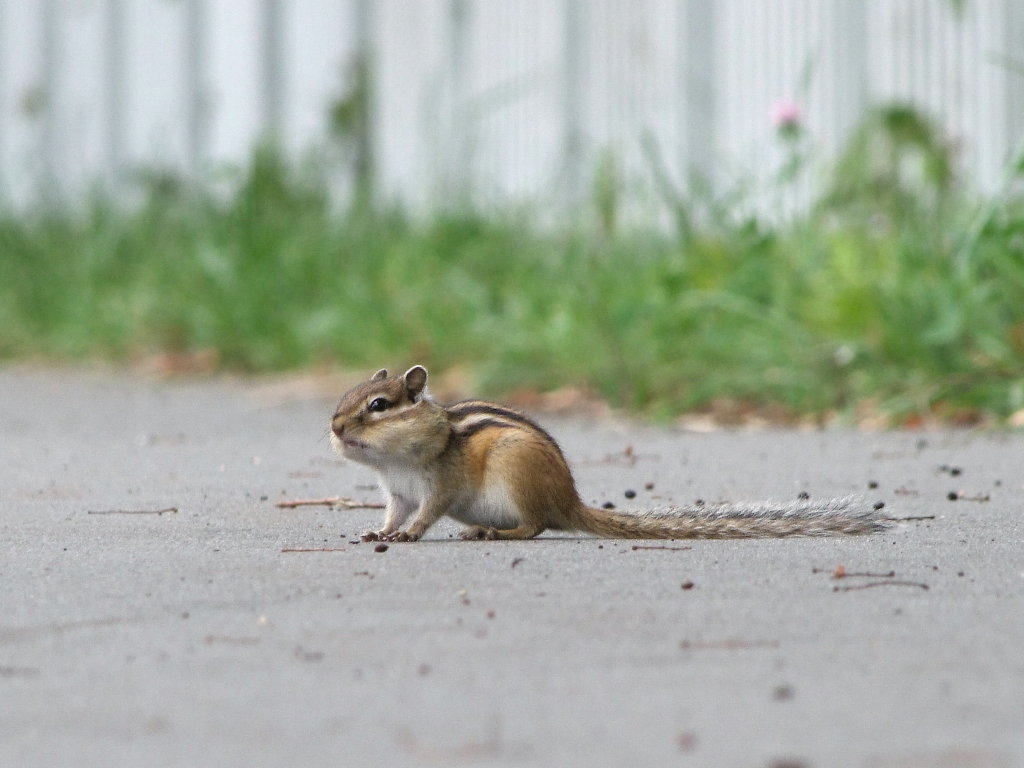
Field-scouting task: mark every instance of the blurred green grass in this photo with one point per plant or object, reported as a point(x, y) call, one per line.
point(894, 289)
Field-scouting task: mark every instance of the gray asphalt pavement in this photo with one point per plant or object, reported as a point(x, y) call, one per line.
point(194, 638)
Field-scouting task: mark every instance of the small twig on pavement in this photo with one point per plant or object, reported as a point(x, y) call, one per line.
point(627, 456)
point(332, 501)
point(840, 572)
point(961, 496)
point(166, 510)
point(660, 546)
point(315, 549)
point(882, 584)
point(229, 640)
point(728, 645)
point(486, 748)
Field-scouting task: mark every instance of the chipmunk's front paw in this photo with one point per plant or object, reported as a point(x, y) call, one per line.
point(383, 534)
point(477, 532)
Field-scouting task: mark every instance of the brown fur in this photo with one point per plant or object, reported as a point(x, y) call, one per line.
point(482, 463)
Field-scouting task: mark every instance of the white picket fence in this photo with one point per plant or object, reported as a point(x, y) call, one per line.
point(489, 101)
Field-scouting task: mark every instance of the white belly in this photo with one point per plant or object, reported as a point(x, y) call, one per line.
point(493, 508)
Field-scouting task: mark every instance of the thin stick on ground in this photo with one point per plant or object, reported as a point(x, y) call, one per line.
point(164, 511)
point(331, 501)
point(959, 496)
point(918, 584)
point(840, 572)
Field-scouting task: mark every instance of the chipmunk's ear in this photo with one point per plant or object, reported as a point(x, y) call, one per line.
point(380, 375)
point(415, 380)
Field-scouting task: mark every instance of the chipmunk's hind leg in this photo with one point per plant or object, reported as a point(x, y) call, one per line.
point(531, 490)
point(523, 531)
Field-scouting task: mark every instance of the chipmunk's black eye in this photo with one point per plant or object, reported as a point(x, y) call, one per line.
point(379, 404)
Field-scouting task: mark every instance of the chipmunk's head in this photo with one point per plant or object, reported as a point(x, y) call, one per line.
point(390, 420)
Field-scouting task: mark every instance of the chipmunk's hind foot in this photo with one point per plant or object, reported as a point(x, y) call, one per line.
point(482, 532)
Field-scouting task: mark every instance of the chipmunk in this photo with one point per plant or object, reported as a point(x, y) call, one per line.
point(505, 477)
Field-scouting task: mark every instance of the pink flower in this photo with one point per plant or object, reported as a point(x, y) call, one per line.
point(786, 114)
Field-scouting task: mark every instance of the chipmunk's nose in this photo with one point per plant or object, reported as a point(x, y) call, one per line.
point(337, 426)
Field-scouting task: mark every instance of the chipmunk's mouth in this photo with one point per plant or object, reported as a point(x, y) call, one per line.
point(347, 445)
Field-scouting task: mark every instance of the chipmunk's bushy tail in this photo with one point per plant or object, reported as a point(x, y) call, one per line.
point(849, 515)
